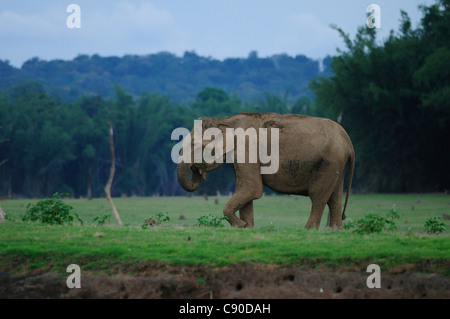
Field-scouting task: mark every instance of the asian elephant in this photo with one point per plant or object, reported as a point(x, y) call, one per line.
point(313, 156)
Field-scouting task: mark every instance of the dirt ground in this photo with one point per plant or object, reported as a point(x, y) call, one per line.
point(156, 280)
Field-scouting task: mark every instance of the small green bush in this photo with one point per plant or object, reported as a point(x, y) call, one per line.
point(161, 218)
point(156, 220)
point(10, 217)
point(51, 211)
point(392, 214)
point(434, 226)
point(211, 221)
point(101, 220)
point(372, 223)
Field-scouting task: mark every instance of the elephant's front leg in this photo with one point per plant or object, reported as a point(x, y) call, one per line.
point(248, 188)
point(231, 207)
point(246, 214)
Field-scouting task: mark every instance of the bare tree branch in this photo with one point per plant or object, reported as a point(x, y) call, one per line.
point(111, 176)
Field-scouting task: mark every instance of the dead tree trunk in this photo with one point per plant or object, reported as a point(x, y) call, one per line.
point(111, 176)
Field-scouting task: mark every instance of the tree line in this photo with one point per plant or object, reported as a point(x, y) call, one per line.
point(180, 77)
point(52, 146)
point(392, 98)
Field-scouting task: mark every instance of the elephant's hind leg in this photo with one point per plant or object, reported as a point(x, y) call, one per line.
point(320, 192)
point(335, 205)
point(316, 214)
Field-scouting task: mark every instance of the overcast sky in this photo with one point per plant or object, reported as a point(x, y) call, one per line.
point(216, 28)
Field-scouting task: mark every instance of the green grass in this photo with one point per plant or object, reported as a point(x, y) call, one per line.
point(280, 211)
point(278, 237)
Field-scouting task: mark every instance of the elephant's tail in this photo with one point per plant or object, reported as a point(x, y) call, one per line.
point(350, 178)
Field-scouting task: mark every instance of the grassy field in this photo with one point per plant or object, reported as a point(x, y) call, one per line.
point(278, 237)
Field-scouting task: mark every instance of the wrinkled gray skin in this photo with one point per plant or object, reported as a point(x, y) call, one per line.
point(313, 154)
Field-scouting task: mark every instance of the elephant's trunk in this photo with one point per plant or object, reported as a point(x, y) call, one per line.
point(183, 175)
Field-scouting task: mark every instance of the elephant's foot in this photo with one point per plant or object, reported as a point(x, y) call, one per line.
point(240, 224)
point(311, 225)
point(313, 222)
point(236, 222)
point(335, 222)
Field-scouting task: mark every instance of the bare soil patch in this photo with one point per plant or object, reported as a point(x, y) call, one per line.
point(157, 280)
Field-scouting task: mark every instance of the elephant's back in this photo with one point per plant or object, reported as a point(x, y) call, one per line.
point(303, 135)
point(312, 137)
point(306, 145)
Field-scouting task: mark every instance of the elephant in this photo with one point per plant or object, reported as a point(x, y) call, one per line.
point(313, 157)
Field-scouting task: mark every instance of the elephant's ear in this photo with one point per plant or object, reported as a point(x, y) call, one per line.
point(207, 122)
point(213, 146)
point(223, 126)
point(226, 145)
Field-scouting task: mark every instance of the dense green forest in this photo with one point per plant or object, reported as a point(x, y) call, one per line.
point(393, 99)
point(50, 146)
point(181, 78)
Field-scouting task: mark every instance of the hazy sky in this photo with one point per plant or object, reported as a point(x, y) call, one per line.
point(216, 28)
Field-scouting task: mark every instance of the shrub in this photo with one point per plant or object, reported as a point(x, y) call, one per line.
point(161, 218)
point(372, 223)
point(101, 220)
point(51, 211)
point(156, 220)
point(211, 221)
point(434, 226)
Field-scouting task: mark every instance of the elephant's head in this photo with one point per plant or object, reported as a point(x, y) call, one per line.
point(184, 176)
point(196, 140)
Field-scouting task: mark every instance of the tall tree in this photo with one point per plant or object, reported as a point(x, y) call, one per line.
point(393, 100)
